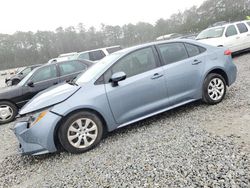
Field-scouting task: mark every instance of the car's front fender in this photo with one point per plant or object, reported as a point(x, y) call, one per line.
point(88, 98)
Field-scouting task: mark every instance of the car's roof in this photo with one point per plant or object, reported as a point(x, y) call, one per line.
point(127, 50)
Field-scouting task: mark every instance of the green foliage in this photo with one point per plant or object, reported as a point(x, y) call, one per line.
point(26, 48)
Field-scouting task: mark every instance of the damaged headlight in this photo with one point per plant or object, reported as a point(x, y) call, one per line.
point(35, 117)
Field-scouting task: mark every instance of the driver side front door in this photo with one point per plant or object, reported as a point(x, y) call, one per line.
point(42, 79)
point(143, 92)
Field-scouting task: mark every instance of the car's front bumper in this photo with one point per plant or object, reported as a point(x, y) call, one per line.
point(39, 139)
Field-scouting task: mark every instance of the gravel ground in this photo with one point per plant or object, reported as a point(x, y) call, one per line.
point(192, 146)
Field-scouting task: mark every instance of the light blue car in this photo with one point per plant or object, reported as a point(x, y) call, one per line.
point(125, 87)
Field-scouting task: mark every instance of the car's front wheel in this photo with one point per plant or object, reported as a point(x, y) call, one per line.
point(81, 132)
point(8, 112)
point(214, 88)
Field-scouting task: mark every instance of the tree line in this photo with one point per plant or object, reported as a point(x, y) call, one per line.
point(27, 48)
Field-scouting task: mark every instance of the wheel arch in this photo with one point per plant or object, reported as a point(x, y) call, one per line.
point(10, 101)
point(219, 71)
point(56, 139)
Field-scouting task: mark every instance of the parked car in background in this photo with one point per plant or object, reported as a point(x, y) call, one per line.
point(97, 54)
point(189, 36)
point(123, 88)
point(21, 73)
point(14, 97)
point(235, 36)
point(68, 55)
point(169, 36)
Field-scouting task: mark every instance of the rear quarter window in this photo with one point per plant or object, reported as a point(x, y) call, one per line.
point(192, 50)
point(242, 27)
point(173, 52)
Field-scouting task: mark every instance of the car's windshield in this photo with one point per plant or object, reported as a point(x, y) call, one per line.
point(26, 78)
point(94, 70)
point(211, 33)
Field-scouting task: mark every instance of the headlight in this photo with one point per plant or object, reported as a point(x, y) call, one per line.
point(36, 117)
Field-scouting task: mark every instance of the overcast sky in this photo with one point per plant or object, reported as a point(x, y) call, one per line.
point(33, 15)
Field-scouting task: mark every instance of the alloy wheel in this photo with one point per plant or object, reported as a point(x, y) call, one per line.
point(216, 89)
point(82, 133)
point(6, 113)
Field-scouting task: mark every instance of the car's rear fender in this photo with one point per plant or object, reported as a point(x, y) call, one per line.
point(218, 62)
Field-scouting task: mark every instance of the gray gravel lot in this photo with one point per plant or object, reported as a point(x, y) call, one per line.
point(192, 146)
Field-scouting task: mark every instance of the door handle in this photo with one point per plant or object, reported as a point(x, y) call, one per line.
point(55, 83)
point(196, 62)
point(156, 75)
point(237, 37)
point(248, 35)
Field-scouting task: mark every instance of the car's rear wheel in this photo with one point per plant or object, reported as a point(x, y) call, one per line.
point(214, 88)
point(81, 132)
point(8, 112)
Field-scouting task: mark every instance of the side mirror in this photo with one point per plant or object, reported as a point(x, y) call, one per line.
point(30, 84)
point(117, 77)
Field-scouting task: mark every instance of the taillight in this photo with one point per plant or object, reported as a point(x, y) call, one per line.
point(227, 52)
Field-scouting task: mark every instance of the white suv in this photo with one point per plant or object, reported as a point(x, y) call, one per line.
point(235, 36)
point(97, 54)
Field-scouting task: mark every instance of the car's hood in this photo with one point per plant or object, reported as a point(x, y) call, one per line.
point(49, 97)
point(211, 41)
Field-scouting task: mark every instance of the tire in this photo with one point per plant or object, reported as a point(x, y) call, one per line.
point(77, 139)
point(15, 82)
point(214, 89)
point(8, 112)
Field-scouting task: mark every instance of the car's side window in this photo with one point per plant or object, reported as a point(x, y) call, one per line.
point(242, 27)
point(96, 55)
point(71, 67)
point(136, 62)
point(113, 49)
point(84, 56)
point(173, 52)
point(26, 71)
point(192, 50)
point(231, 30)
point(45, 73)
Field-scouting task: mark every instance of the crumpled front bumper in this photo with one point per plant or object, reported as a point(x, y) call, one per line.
point(39, 139)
